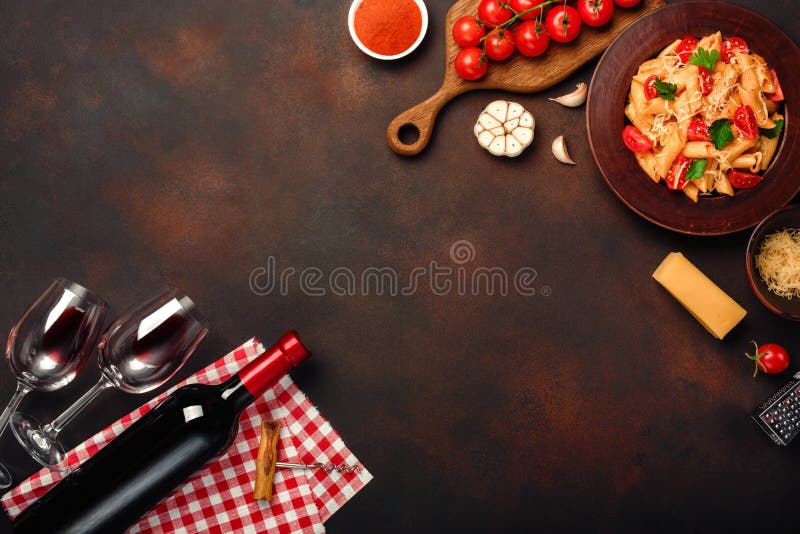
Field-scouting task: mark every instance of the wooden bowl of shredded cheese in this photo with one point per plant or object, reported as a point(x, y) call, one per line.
point(773, 262)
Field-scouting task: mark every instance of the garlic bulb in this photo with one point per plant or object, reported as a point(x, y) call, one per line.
point(560, 150)
point(574, 99)
point(505, 128)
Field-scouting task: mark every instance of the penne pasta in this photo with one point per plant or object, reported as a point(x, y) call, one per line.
point(683, 123)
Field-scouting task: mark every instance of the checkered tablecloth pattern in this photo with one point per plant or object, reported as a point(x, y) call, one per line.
point(218, 499)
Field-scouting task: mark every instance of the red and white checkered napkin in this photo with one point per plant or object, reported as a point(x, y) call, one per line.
point(219, 497)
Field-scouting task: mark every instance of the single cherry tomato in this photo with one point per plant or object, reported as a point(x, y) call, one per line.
point(595, 13)
point(635, 140)
point(745, 120)
point(698, 131)
point(676, 178)
point(531, 39)
point(499, 45)
point(777, 96)
point(770, 358)
point(471, 64)
point(563, 23)
point(744, 180)
point(650, 87)
point(706, 80)
point(731, 45)
point(520, 6)
point(493, 13)
point(467, 31)
point(686, 48)
point(627, 3)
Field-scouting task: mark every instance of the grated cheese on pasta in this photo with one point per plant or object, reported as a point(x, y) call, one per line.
point(778, 262)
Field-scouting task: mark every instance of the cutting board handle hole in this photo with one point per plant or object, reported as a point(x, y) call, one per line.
point(408, 134)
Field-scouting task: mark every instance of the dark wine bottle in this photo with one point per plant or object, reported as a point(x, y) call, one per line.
point(144, 464)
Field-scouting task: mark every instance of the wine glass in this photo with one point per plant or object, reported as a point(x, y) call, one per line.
point(140, 351)
point(51, 342)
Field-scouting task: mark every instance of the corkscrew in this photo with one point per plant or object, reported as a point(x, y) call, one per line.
point(328, 468)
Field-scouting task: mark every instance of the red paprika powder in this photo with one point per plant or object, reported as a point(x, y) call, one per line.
point(388, 27)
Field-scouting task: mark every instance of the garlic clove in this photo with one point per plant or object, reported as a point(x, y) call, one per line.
point(489, 122)
point(478, 129)
point(515, 111)
point(498, 110)
point(498, 146)
point(513, 146)
point(511, 125)
point(575, 98)
point(523, 135)
point(560, 150)
point(498, 131)
point(526, 120)
point(485, 139)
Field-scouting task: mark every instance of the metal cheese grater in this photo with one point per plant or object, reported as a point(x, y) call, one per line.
point(779, 415)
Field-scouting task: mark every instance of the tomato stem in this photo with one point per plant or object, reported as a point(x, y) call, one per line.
point(518, 16)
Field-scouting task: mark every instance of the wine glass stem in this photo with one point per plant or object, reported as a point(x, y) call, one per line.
point(52, 429)
point(13, 404)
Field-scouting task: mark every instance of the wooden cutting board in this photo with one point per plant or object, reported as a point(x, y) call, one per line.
point(518, 74)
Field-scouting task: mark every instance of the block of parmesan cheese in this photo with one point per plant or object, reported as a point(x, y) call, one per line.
point(710, 305)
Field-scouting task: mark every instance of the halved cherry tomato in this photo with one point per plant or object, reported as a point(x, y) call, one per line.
point(745, 120)
point(744, 180)
point(563, 23)
point(627, 3)
point(706, 80)
point(686, 48)
point(635, 140)
point(471, 64)
point(493, 12)
point(467, 31)
point(499, 45)
point(777, 96)
point(698, 131)
point(596, 13)
point(731, 45)
point(676, 178)
point(650, 87)
point(531, 38)
point(521, 6)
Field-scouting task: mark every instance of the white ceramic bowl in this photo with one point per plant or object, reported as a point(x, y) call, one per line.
point(423, 30)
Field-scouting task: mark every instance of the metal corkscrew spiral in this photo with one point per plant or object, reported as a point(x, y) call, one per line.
point(328, 468)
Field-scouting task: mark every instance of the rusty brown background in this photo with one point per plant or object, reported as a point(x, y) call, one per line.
point(187, 141)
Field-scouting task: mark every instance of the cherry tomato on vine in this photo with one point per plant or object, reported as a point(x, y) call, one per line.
point(531, 39)
point(744, 180)
point(563, 23)
point(471, 64)
point(635, 140)
point(731, 45)
point(650, 87)
point(686, 48)
point(499, 45)
point(706, 81)
point(698, 131)
point(493, 13)
point(627, 3)
point(521, 6)
point(745, 120)
point(595, 13)
point(467, 31)
point(770, 358)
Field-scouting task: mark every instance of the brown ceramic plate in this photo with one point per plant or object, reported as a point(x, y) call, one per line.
point(605, 119)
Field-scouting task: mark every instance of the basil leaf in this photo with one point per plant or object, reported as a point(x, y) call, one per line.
point(772, 133)
point(720, 133)
point(704, 58)
point(665, 90)
point(696, 170)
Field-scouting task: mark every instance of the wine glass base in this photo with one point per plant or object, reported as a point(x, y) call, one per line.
point(45, 450)
point(5, 478)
